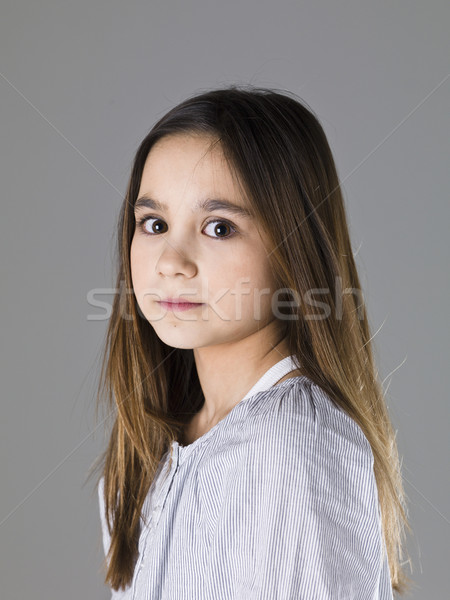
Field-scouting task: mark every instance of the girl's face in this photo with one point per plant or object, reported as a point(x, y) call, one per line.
point(211, 255)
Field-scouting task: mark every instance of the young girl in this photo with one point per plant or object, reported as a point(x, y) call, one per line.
point(252, 455)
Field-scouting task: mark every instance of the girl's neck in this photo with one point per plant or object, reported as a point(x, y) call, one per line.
point(228, 371)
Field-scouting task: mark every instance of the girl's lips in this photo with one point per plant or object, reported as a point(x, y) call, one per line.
point(179, 305)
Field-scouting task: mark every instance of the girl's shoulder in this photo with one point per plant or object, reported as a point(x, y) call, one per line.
point(299, 410)
point(292, 438)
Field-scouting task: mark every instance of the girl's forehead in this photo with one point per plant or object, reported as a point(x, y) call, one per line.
point(179, 159)
point(187, 157)
point(195, 143)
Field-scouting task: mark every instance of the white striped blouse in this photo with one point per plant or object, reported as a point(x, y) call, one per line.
point(277, 501)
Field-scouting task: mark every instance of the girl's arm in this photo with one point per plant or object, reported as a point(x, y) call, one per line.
point(300, 515)
point(105, 533)
point(115, 595)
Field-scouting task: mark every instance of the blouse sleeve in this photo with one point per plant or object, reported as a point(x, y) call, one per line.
point(299, 517)
point(106, 539)
point(114, 594)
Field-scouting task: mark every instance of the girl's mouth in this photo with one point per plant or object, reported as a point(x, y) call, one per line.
point(177, 306)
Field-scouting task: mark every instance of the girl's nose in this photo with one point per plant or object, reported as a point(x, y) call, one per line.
point(175, 261)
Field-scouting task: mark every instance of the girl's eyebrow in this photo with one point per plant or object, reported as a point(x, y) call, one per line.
point(207, 205)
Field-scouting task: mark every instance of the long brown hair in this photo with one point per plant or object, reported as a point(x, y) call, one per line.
point(280, 156)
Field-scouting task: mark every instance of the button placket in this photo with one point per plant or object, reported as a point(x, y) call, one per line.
point(157, 509)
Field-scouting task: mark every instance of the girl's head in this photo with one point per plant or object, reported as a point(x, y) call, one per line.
point(265, 153)
point(196, 239)
point(280, 262)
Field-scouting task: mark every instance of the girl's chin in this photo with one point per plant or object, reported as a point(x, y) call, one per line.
point(177, 336)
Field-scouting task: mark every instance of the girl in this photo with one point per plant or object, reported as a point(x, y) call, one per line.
point(252, 455)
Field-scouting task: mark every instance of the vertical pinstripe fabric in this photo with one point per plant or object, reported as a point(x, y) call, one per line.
point(277, 501)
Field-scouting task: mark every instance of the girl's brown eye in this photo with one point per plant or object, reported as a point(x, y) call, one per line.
point(158, 226)
point(219, 229)
point(151, 228)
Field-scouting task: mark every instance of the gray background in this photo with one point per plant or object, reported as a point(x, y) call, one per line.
point(81, 83)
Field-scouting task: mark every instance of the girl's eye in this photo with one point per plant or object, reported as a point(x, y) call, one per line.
point(219, 229)
point(148, 227)
point(157, 226)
